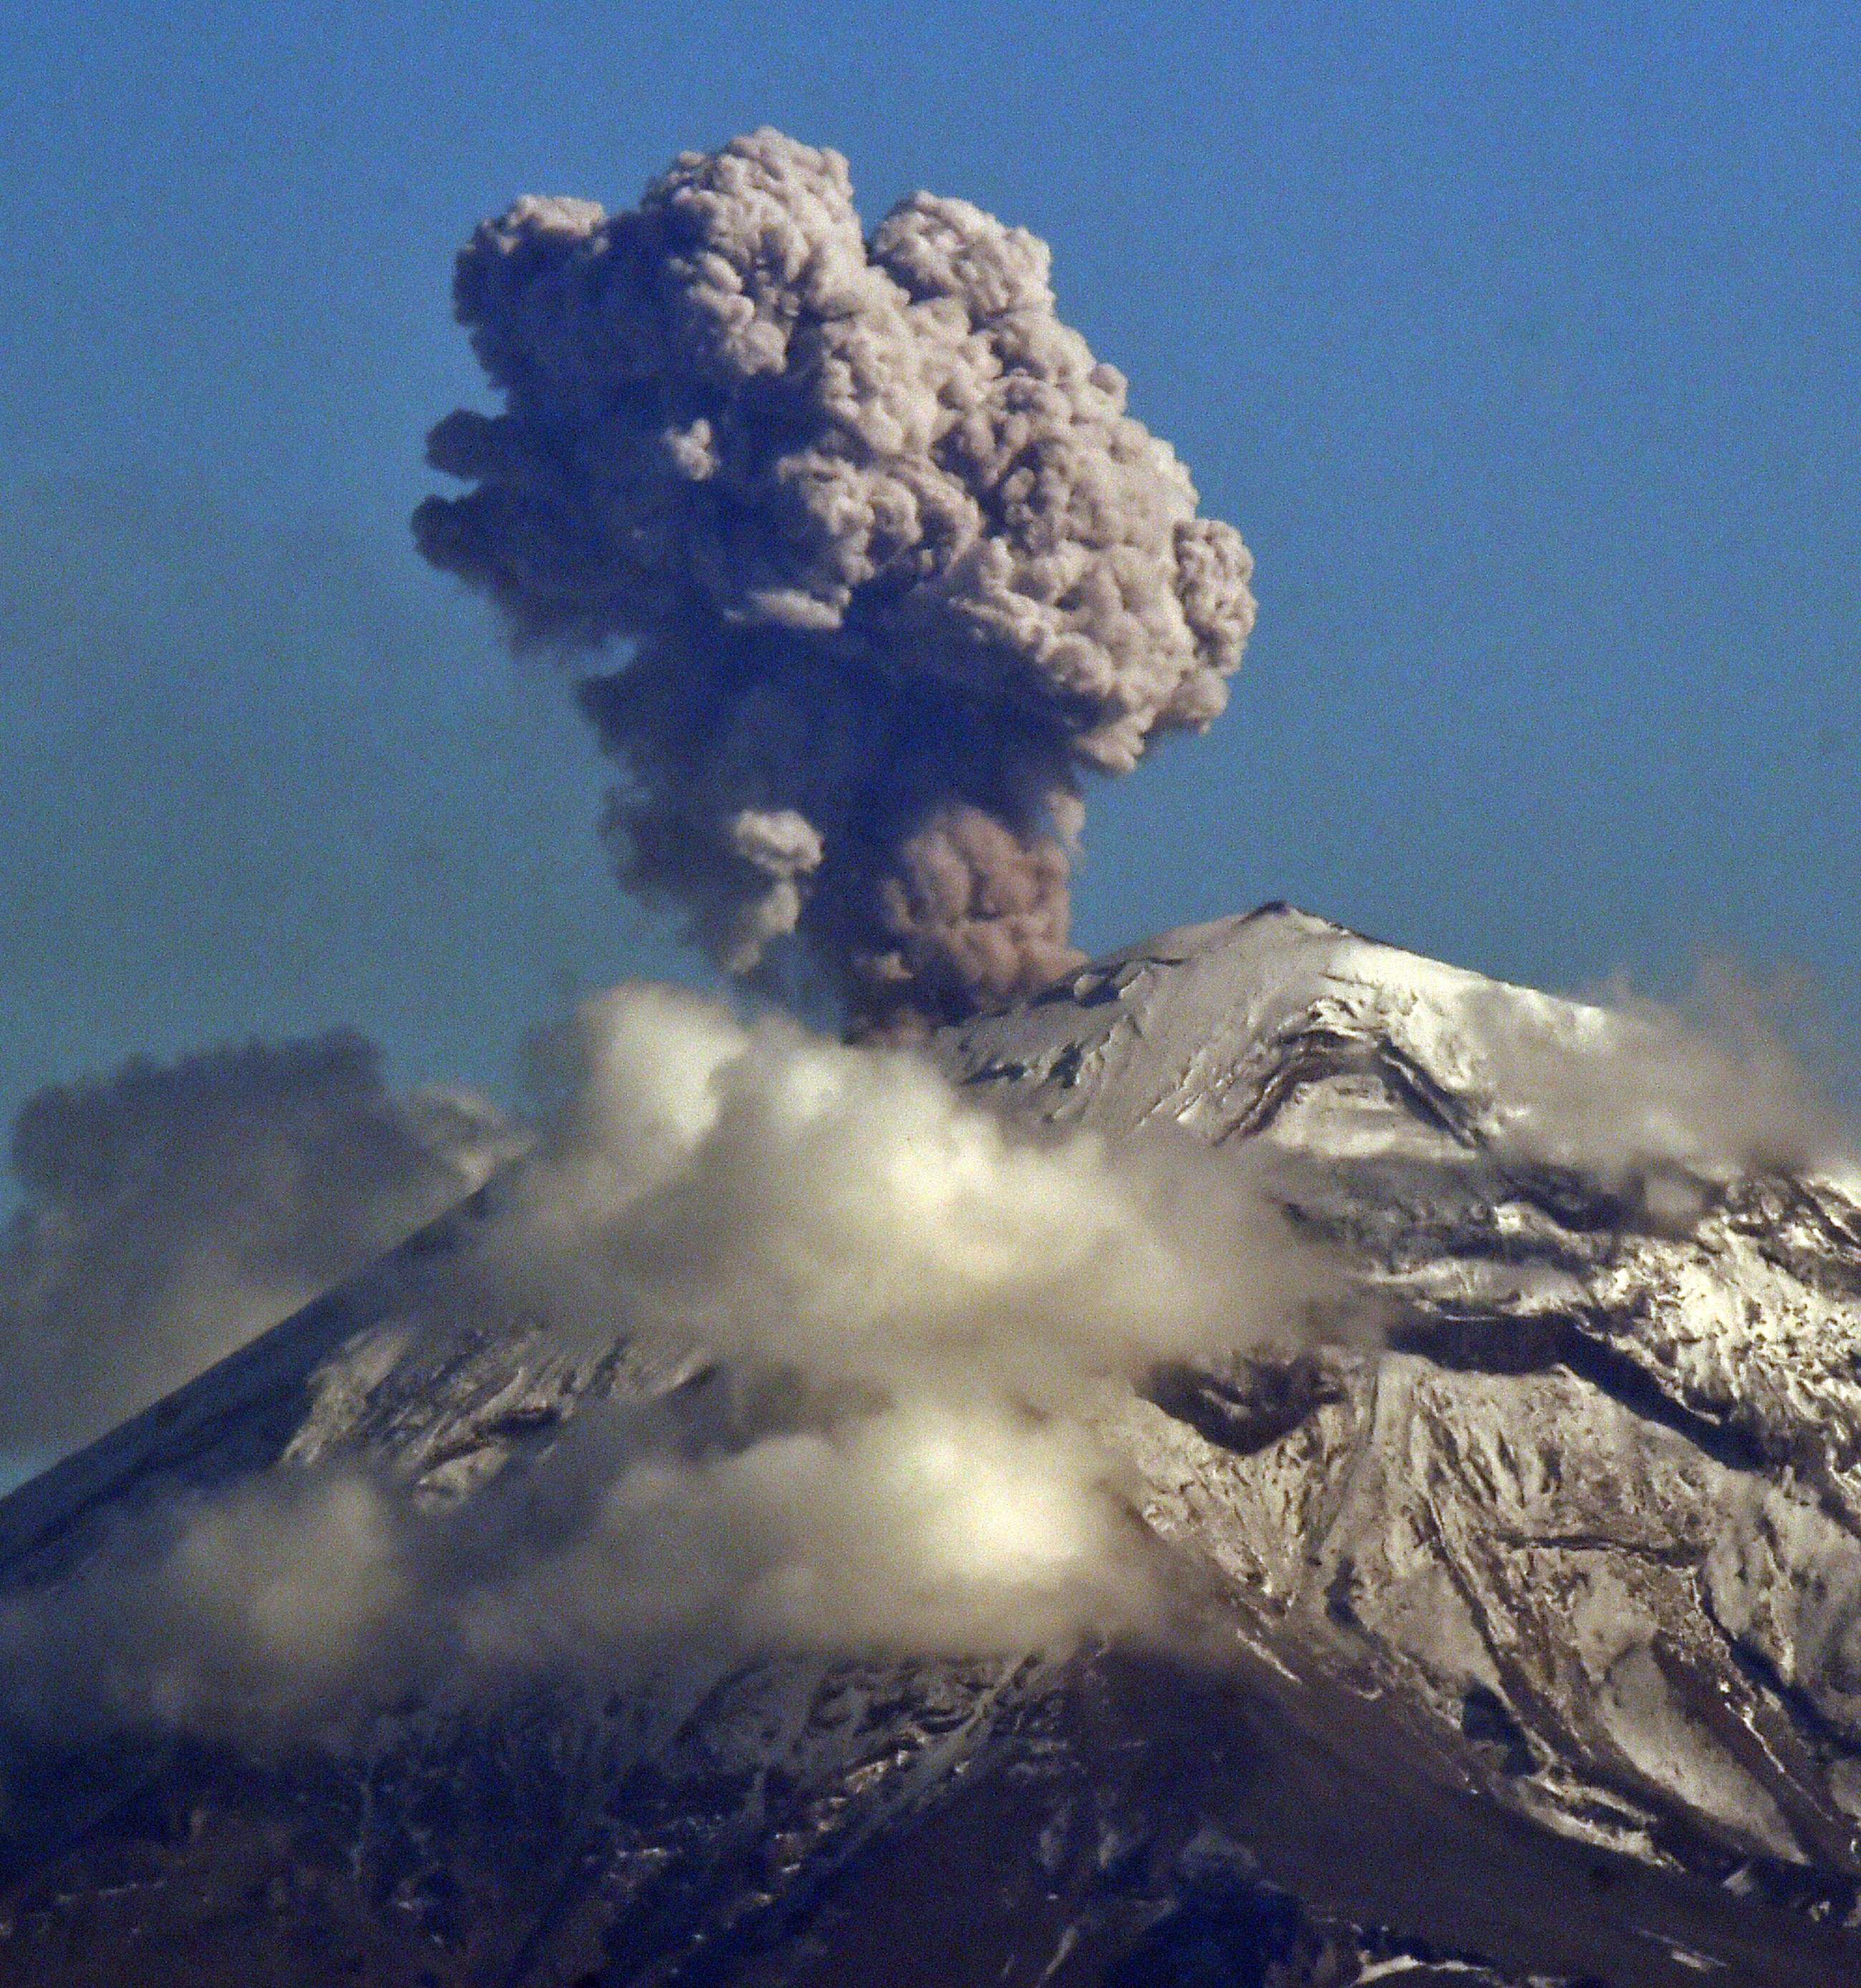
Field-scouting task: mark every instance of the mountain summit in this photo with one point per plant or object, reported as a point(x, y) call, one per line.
point(1531, 1605)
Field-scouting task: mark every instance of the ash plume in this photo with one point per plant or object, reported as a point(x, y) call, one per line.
point(892, 567)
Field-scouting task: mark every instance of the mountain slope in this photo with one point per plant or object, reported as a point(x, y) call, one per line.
point(1535, 1641)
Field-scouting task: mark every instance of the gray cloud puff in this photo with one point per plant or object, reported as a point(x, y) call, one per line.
point(172, 1211)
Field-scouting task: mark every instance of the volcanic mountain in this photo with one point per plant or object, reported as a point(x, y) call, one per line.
point(1534, 1653)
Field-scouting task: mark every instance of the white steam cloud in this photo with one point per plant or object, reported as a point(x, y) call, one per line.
point(1668, 1102)
point(893, 1322)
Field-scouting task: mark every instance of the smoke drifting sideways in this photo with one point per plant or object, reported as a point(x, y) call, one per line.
point(871, 1332)
point(893, 566)
point(1664, 1105)
point(170, 1212)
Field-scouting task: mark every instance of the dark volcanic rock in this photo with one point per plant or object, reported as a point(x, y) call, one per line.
point(1535, 1643)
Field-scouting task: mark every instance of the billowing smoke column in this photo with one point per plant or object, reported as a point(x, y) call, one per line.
point(893, 566)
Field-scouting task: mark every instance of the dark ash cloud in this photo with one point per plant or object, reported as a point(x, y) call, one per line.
point(172, 1211)
point(894, 566)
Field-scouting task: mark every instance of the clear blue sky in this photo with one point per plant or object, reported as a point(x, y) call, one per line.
point(1522, 342)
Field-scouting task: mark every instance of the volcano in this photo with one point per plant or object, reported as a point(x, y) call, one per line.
point(1533, 1641)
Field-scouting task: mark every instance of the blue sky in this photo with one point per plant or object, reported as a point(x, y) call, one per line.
point(1520, 342)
